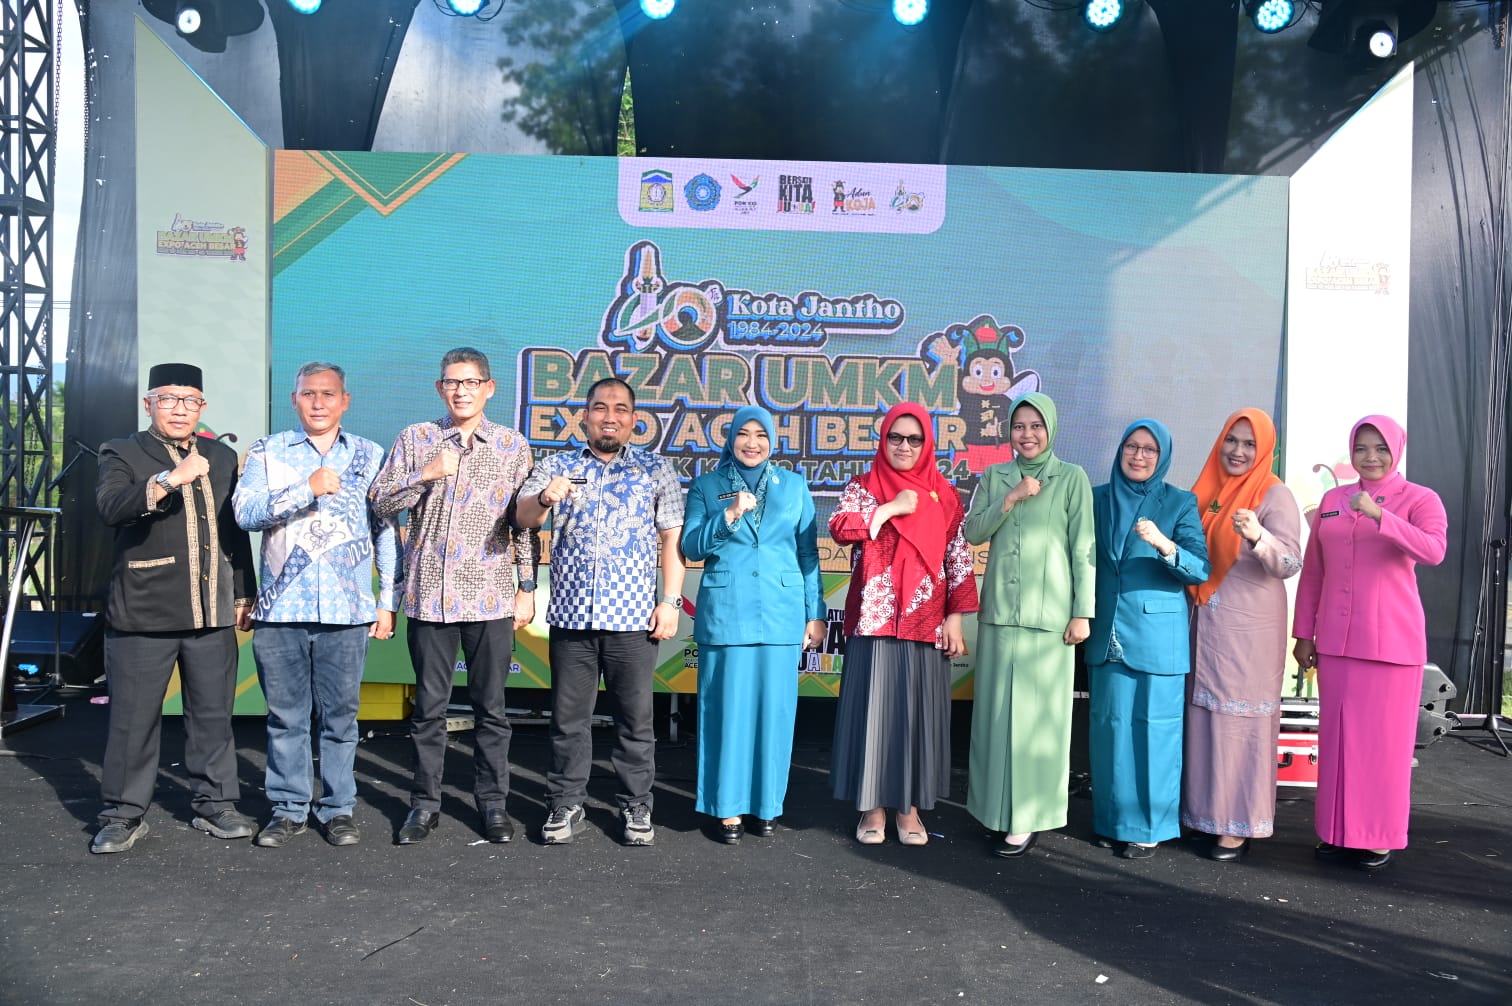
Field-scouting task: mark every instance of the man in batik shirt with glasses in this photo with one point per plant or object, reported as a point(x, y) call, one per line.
point(469, 582)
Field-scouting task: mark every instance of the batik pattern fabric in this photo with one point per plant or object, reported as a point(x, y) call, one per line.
point(605, 536)
point(318, 553)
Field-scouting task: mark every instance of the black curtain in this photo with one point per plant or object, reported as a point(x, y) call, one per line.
point(1460, 347)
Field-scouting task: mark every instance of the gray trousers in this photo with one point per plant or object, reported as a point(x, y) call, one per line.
point(138, 666)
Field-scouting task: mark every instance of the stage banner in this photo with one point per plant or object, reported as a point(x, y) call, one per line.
point(826, 292)
point(202, 261)
point(1350, 240)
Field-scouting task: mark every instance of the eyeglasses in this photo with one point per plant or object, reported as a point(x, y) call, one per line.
point(1140, 451)
point(898, 440)
point(168, 403)
point(470, 383)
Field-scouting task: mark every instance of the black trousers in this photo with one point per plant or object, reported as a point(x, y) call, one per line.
point(488, 648)
point(138, 666)
point(626, 660)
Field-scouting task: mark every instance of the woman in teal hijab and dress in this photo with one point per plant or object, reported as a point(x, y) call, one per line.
point(1150, 548)
point(752, 524)
point(1037, 602)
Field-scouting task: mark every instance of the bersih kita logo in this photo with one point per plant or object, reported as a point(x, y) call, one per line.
point(656, 191)
point(795, 194)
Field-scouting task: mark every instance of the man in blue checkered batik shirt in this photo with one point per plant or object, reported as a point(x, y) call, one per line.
point(611, 506)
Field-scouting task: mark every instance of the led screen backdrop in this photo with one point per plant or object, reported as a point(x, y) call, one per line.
point(825, 291)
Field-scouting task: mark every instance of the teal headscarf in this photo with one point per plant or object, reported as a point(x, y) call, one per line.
point(752, 479)
point(1129, 497)
point(1046, 408)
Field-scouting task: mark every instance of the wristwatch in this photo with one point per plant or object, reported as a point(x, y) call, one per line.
point(162, 480)
point(527, 585)
point(673, 599)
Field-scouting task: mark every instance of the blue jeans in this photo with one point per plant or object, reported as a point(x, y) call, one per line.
point(301, 664)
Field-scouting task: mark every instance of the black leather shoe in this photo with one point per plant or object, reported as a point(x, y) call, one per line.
point(497, 827)
point(118, 836)
point(1132, 851)
point(1373, 861)
point(1008, 851)
point(418, 826)
point(763, 826)
point(228, 823)
point(279, 832)
point(1327, 850)
point(340, 830)
point(1102, 841)
point(1223, 854)
point(730, 834)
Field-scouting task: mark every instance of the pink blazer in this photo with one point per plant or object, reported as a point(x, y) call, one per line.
point(1358, 594)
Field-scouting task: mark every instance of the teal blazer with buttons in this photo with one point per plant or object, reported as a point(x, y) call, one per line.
point(757, 586)
point(1141, 596)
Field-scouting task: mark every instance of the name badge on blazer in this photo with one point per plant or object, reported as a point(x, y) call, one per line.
point(1330, 513)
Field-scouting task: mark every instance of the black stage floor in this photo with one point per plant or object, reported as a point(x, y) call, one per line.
point(807, 916)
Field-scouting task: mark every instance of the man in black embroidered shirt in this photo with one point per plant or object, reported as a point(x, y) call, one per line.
point(183, 582)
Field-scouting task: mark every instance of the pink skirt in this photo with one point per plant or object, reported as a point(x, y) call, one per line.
point(1367, 726)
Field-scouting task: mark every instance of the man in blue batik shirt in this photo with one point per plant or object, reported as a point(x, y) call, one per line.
point(611, 506)
point(306, 490)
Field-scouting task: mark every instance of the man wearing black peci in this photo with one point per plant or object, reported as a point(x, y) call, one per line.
point(183, 583)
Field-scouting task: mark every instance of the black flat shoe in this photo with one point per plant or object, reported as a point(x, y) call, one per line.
point(417, 827)
point(1329, 851)
point(1224, 854)
point(1102, 841)
point(763, 826)
point(1133, 851)
point(1008, 851)
point(1373, 861)
point(730, 834)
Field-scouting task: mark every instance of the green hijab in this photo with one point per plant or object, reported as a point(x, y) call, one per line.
point(1042, 404)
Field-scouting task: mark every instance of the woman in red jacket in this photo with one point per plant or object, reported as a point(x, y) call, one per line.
point(1359, 621)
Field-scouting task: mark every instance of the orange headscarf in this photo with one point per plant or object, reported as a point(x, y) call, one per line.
point(1219, 494)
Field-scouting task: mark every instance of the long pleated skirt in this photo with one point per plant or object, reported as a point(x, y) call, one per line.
point(747, 701)
point(1230, 773)
point(892, 725)
point(1020, 729)
point(1367, 727)
point(1135, 741)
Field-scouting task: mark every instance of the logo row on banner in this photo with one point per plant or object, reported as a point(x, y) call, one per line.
point(825, 196)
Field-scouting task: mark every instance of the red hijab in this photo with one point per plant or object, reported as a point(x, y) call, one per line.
point(921, 553)
point(1219, 494)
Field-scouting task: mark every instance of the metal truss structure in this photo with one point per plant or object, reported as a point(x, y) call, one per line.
point(27, 162)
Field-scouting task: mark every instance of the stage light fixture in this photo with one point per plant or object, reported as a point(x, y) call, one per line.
point(1102, 15)
point(305, 6)
point(910, 12)
point(657, 9)
point(187, 20)
point(1382, 38)
point(466, 8)
point(1270, 16)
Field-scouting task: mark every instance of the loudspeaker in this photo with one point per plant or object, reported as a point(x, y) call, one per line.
point(1433, 721)
point(73, 636)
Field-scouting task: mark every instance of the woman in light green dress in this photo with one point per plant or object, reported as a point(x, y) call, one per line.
point(1037, 600)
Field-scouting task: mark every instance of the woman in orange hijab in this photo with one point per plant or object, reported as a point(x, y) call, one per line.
point(1239, 638)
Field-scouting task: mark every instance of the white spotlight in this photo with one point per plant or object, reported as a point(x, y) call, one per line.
point(657, 9)
point(1383, 42)
point(188, 20)
point(910, 12)
point(466, 8)
point(305, 6)
point(1102, 15)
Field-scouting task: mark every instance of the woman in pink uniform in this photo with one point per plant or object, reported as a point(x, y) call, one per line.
point(1359, 620)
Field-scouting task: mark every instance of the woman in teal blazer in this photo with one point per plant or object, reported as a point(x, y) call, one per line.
point(1037, 598)
point(1150, 546)
point(751, 523)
